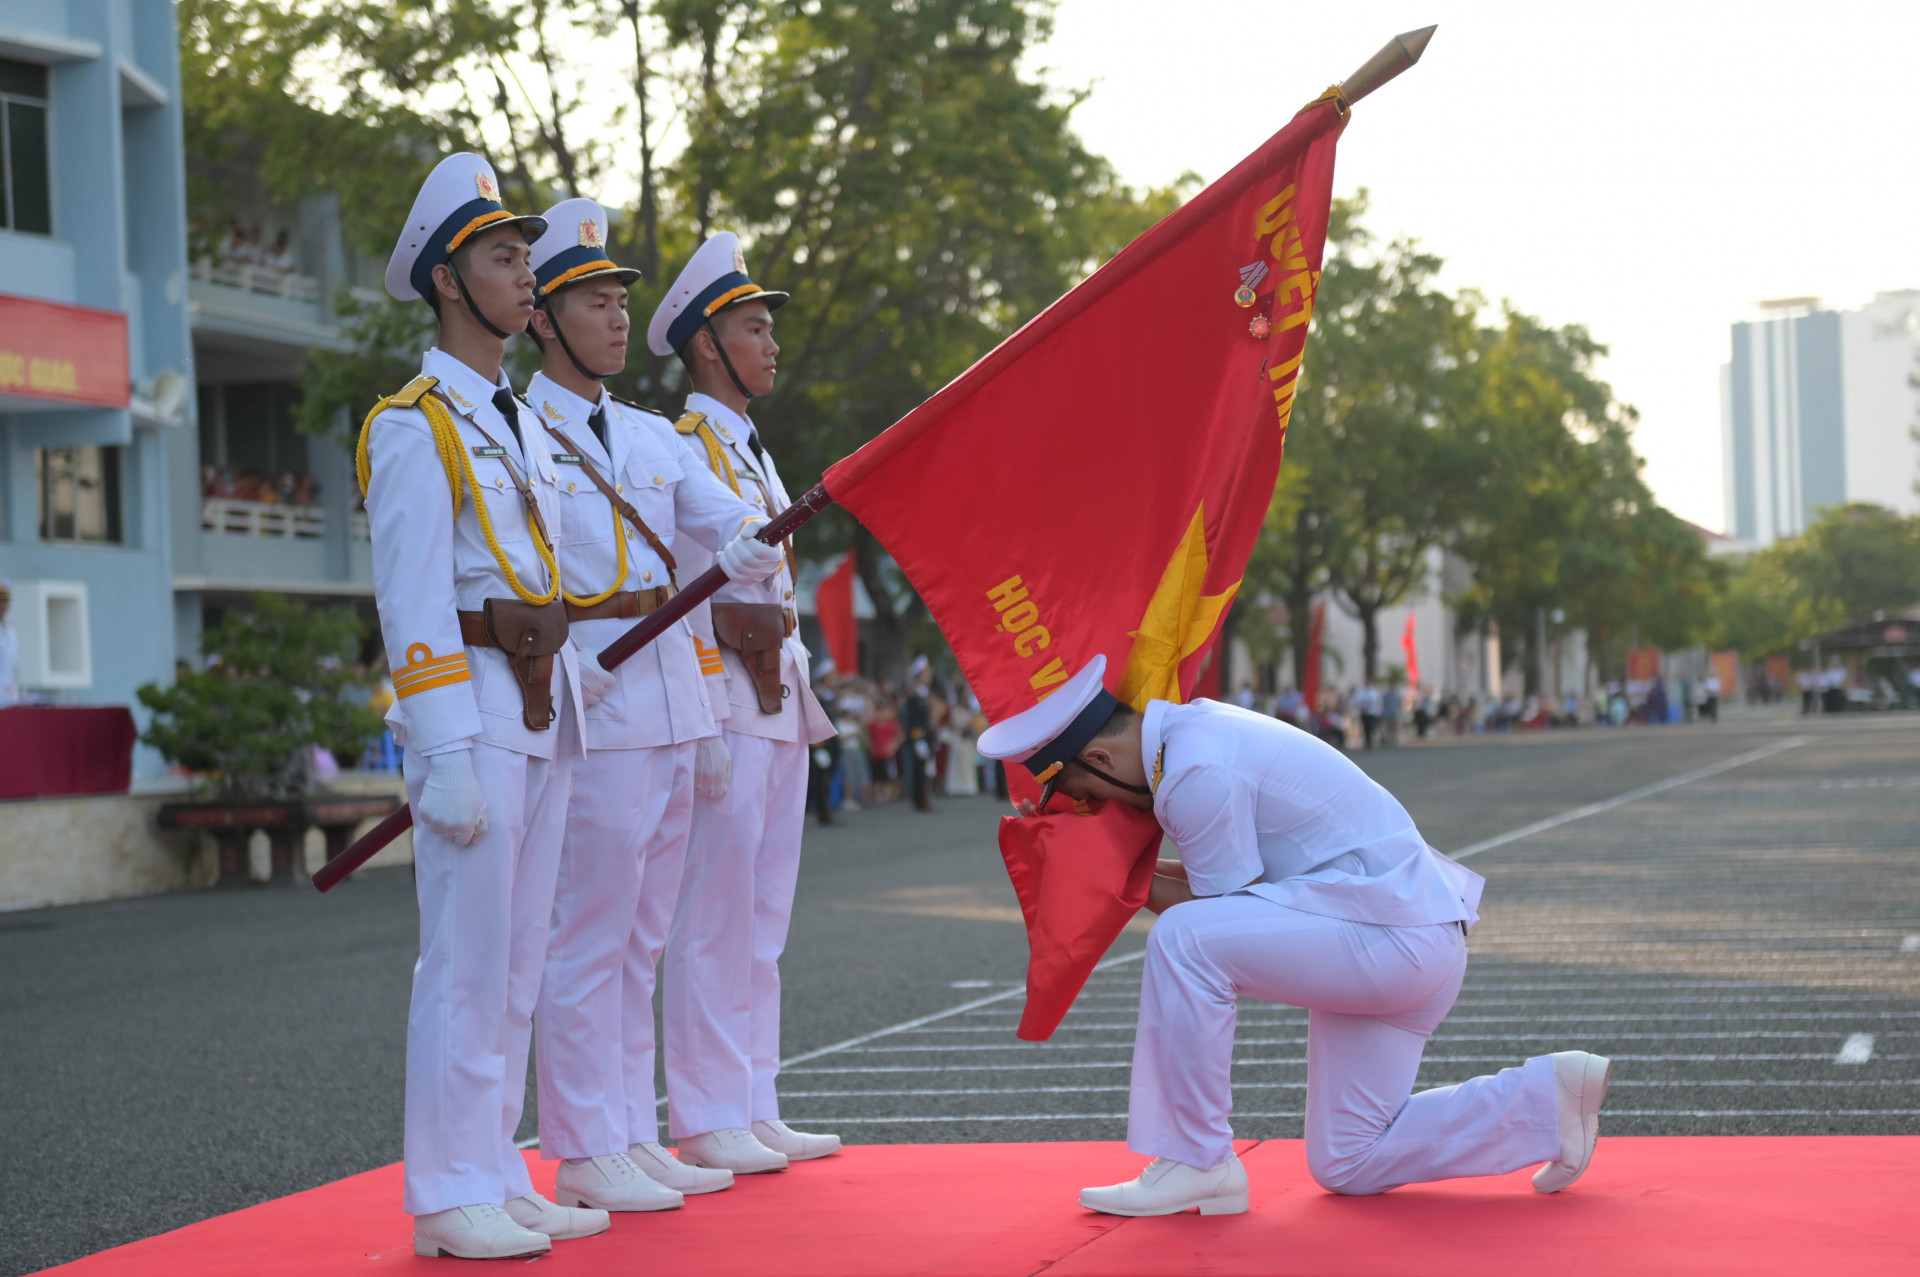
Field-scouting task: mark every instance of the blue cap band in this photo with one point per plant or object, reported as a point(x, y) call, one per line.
point(1084, 727)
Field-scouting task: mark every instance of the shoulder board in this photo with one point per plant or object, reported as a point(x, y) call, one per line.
point(639, 407)
point(690, 423)
point(413, 392)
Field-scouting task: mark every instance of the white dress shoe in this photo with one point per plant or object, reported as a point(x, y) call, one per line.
point(663, 1167)
point(797, 1145)
point(562, 1223)
point(1168, 1187)
point(1580, 1079)
point(610, 1182)
point(732, 1148)
point(475, 1232)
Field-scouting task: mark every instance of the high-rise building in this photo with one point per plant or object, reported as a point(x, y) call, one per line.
point(1817, 409)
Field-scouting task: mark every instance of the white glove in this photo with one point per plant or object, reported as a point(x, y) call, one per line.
point(712, 767)
point(748, 558)
point(595, 682)
point(451, 803)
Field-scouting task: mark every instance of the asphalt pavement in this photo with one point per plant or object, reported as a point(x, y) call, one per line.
point(1732, 912)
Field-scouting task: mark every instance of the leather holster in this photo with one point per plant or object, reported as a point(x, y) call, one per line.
point(529, 635)
point(755, 632)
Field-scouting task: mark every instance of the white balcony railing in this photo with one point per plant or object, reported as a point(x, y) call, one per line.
point(257, 279)
point(262, 518)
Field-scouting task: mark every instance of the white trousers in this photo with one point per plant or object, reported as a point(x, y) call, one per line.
point(619, 878)
point(483, 935)
point(722, 1005)
point(1374, 995)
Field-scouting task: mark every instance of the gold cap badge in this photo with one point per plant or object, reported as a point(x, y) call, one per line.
point(740, 261)
point(589, 233)
point(484, 184)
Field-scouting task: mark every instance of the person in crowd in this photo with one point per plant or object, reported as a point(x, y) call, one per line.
point(9, 650)
point(1709, 697)
point(883, 745)
point(916, 725)
point(280, 256)
point(1368, 703)
point(1392, 705)
point(963, 725)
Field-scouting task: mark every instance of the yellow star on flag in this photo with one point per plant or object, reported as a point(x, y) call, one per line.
point(1179, 621)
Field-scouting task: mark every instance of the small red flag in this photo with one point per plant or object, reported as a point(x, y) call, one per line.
point(833, 608)
point(1103, 474)
point(1413, 655)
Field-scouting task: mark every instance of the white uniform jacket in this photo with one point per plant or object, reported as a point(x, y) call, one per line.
point(659, 696)
point(800, 718)
point(1258, 805)
point(429, 563)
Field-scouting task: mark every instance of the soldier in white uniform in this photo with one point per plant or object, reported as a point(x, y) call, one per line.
point(722, 1016)
point(461, 493)
point(624, 498)
point(1299, 881)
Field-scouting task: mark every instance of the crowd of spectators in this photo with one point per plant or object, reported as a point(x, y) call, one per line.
point(895, 744)
point(244, 246)
point(285, 488)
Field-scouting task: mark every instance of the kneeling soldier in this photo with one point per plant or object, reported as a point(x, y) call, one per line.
point(1299, 881)
point(624, 498)
point(460, 493)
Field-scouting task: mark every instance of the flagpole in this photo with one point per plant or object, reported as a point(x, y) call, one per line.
point(1395, 56)
point(697, 591)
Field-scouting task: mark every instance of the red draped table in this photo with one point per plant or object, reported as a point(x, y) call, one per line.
point(47, 750)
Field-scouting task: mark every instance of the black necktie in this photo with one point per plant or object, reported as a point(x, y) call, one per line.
point(753, 441)
point(503, 404)
point(599, 423)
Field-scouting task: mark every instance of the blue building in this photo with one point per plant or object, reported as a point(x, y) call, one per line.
point(95, 345)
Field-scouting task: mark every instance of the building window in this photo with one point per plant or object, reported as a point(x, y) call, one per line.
point(26, 184)
point(79, 494)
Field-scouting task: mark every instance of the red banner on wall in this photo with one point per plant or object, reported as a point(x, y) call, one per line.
point(63, 354)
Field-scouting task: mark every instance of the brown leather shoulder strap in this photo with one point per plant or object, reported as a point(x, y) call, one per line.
point(506, 458)
point(620, 503)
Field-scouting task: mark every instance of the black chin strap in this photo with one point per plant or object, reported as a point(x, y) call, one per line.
point(467, 297)
point(1117, 784)
point(553, 318)
point(740, 385)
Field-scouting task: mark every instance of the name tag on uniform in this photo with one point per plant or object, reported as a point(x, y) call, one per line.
point(489, 450)
point(569, 459)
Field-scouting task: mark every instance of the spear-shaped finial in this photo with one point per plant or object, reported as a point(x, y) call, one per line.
point(1396, 56)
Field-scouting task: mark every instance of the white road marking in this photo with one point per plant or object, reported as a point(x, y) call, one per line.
point(859, 1043)
point(1241, 1113)
point(1631, 796)
point(1910, 944)
point(1857, 1049)
point(943, 1092)
point(970, 984)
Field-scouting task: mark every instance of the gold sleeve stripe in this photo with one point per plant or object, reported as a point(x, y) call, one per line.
point(431, 669)
point(711, 667)
point(424, 671)
point(428, 684)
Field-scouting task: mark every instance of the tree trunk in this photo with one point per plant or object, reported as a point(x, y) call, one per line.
point(649, 218)
point(1370, 642)
point(1299, 631)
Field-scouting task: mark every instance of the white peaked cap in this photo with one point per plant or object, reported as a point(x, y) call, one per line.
point(714, 279)
point(1043, 738)
point(459, 198)
point(574, 247)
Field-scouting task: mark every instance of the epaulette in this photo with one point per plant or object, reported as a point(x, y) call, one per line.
point(413, 392)
point(690, 423)
point(640, 407)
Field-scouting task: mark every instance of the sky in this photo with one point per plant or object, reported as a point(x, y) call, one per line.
point(1649, 170)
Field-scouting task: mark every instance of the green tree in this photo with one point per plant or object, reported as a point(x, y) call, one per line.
point(281, 685)
point(1853, 561)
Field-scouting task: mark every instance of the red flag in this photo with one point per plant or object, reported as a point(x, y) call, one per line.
point(833, 608)
point(1310, 685)
point(1103, 474)
point(1413, 655)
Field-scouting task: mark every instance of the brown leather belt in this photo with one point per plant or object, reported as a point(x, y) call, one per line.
point(622, 606)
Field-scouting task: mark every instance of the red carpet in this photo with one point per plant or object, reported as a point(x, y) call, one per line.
point(1754, 1205)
